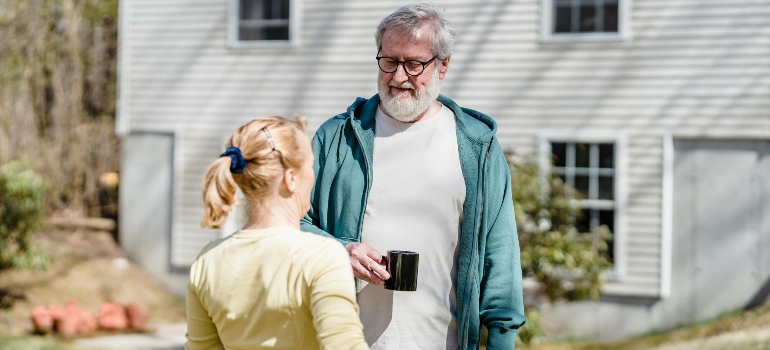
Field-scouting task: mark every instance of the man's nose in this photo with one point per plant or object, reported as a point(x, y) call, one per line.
point(400, 75)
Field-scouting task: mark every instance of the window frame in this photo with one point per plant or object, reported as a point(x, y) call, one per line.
point(547, 36)
point(233, 23)
point(620, 267)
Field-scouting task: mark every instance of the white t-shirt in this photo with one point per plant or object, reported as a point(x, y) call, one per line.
point(415, 204)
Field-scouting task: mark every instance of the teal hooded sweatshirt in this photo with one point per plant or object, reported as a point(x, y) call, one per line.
point(489, 289)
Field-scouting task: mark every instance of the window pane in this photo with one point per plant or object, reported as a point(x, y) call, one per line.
point(611, 17)
point(582, 155)
point(251, 33)
point(583, 221)
point(284, 8)
point(611, 250)
point(264, 9)
point(277, 33)
point(587, 17)
point(559, 151)
point(606, 187)
point(607, 217)
point(581, 184)
point(264, 20)
point(251, 9)
point(562, 178)
point(562, 17)
point(263, 33)
point(276, 9)
point(606, 155)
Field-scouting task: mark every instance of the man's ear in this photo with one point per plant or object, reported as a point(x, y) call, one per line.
point(443, 67)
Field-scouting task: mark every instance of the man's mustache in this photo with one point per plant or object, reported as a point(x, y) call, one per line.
point(404, 85)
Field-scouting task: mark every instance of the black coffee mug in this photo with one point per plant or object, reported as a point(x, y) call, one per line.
point(402, 267)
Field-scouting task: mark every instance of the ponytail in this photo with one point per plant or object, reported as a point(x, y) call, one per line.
point(257, 155)
point(218, 193)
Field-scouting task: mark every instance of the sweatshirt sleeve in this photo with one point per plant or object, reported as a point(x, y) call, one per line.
point(332, 300)
point(311, 222)
point(201, 331)
point(501, 304)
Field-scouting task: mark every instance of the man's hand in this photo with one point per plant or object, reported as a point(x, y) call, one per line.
point(365, 261)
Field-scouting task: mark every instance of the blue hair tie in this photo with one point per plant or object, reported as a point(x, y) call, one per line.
point(239, 163)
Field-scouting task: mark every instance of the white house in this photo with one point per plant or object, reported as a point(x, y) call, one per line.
point(658, 111)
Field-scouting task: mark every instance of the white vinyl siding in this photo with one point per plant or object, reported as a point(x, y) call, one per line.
point(693, 69)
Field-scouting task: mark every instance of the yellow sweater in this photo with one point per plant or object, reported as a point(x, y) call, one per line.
point(276, 288)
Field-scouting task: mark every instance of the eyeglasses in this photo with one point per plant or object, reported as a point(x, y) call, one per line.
point(411, 67)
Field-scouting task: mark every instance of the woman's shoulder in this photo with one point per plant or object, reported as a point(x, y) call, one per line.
point(316, 241)
point(212, 247)
point(312, 249)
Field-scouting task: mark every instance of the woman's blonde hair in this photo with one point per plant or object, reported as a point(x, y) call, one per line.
point(268, 145)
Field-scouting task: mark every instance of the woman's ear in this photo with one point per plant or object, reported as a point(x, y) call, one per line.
point(290, 180)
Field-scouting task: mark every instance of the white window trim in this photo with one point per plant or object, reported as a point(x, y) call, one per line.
point(294, 29)
point(667, 219)
point(620, 265)
point(548, 37)
point(176, 256)
point(123, 110)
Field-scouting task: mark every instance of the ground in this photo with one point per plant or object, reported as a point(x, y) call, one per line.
point(741, 330)
point(89, 268)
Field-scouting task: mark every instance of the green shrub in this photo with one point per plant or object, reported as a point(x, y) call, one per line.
point(569, 265)
point(531, 333)
point(22, 195)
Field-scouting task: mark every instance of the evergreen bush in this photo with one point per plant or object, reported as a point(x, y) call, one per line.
point(568, 265)
point(22, 208)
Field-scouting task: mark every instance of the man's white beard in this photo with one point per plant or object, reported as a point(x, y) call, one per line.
point(402, 106)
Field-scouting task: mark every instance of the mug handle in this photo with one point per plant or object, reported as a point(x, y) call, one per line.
point(384, 260)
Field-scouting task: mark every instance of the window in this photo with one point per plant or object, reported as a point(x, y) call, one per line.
point(262, 23)
point(584, 20)
point(590, 169)
point(594, 166)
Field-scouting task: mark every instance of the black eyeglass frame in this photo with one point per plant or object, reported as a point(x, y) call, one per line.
point(403, 63)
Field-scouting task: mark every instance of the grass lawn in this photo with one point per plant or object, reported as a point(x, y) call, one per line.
point(36, 343)
point(748, 330)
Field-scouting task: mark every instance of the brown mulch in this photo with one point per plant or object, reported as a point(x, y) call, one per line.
point(89, 268)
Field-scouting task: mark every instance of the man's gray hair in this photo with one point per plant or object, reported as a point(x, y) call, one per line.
point(410, 19)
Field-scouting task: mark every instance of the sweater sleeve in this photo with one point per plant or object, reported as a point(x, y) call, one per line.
point(332, 300)
point(201, 331)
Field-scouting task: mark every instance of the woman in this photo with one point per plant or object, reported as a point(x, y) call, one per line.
point(269, 285)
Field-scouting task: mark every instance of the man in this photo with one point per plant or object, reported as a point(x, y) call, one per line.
point(408, 169)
